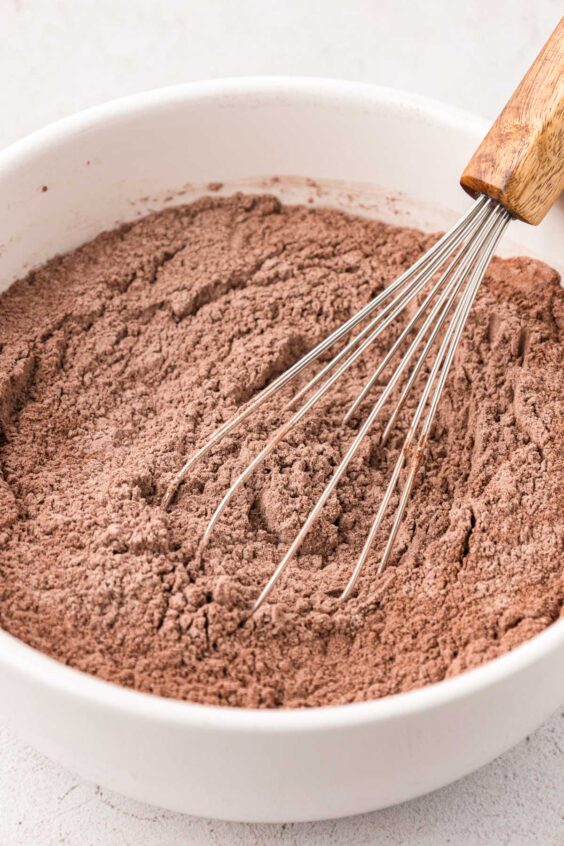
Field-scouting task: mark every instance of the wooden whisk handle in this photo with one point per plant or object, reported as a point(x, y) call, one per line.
point(520, 162)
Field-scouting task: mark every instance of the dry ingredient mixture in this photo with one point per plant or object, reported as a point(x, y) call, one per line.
point(118, 359)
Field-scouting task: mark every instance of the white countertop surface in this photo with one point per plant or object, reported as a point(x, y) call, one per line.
point(58, 56)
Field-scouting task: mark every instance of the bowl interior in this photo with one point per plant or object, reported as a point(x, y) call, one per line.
point(358, 147)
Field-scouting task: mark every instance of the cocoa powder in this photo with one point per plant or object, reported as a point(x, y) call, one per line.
point(118, 359)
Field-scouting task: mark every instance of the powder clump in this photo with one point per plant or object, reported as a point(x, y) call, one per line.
point(118, 359)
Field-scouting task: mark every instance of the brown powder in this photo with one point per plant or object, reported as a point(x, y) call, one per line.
point(118, 359)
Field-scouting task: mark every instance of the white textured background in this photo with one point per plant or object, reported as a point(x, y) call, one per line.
point(58, 56)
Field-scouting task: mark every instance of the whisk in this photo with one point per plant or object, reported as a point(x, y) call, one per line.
point(517, 172)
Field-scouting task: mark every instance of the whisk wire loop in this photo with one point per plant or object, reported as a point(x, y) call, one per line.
point(460, 258)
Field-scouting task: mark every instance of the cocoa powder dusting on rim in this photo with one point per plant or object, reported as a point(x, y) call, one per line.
point(118, 359)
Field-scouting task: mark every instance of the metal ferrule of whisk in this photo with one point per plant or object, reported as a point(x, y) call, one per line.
point(445, 279)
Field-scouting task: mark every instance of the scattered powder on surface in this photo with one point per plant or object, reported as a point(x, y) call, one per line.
point(118, 359)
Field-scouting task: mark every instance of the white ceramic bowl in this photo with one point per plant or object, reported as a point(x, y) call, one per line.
point(402, 156)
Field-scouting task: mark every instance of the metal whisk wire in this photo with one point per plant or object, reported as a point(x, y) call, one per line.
point(468, 248)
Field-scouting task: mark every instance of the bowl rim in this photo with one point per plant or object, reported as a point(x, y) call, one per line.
point(37, 667)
